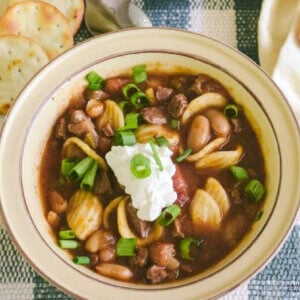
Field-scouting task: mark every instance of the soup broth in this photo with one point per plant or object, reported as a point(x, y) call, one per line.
point(152, 177)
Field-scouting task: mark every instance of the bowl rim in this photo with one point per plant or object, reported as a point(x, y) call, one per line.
point(70, 52)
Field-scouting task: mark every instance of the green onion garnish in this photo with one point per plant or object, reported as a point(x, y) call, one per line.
point(139, 73)
point(66, 234)
point(140, 166)
point(259, 215)
point(79, 170)
point(139, 100)
point(168, 215)
point(174, 124)
point(124, 138)
point(81, 260)
point(231, 111)
point(184, 155)
point(155, 154)
point(126, 247)
point(68, 244)
point(131, 121)
point(162, 142)
point(88, 179)
point(184, 247)
point(67, 164)
point(122, 104)
point(239, 173)
point(94, 80)
point(130, 89)
point(254, 190)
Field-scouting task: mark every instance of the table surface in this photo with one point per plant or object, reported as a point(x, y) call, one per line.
point(233, 22)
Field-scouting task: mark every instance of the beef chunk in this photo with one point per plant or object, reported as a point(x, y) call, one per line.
point(80, 123)
point(177, 105)
point(154, 115)
point(141, 227)
point(113, 86)
point(204, 84)
point(102, 184)
point(107, 130)
point(140, 258)
point(61, 129)
point(180, 187)
point(161, 253)
point(104, 144)
point(156, 274)
point(163, 94)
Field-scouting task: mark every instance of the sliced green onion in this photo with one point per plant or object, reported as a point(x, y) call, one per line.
point(168, 215)
point(174, 123)
point(66, 234)
point(259, 215)
point(155, 154)
point(130, 89)
point(94, 80)
point(184, 247)
point(139, 73)
point(239, 173)
point(131, 121)
point(68, 244)
point(126, 247)
point(139, 100)
point(67, 164)
point(79, 170)
point(231, 111)
point(81, 260)
point(88, 179)
point(140, 166)
point(122, 104)
point(184, 155)
point(162, 142)
point(255, 190)
point(124, 138)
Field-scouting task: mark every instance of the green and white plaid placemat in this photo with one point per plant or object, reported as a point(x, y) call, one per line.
point(233, 22)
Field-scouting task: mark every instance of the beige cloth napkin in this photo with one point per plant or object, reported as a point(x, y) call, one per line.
point(279, 51)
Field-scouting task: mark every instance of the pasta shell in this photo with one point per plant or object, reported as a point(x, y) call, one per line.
point(201, 103)
point(112, 115)
point(84, 214)
point(126, 232)
point(145, 132)
point(204, 210)
point(212, 146)
point(216, 190)
point(220, 159)
point(85, 148)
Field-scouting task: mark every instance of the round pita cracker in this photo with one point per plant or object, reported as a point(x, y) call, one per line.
point(21, 59)
point(40, 21)
point(73, 10)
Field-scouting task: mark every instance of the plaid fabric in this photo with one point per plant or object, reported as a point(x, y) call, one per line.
point(233, 22)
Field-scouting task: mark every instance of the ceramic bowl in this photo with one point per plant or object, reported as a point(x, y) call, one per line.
point(29, 123)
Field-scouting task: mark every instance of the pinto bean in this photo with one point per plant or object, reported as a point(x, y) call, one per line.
point(218, 122)
point(98, 240)
point(114, 271)
point(57, 203)
point(173, 264)
point(161, 253)
point(94, 108)
point(199, 133)
point(53, 218)
point(108, 254)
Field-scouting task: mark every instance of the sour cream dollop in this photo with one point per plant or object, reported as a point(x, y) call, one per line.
point(151, 194)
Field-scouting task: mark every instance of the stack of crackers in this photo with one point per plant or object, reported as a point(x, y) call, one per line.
point(31, 34)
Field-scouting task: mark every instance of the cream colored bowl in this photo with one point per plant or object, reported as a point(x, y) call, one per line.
point(29, 123)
